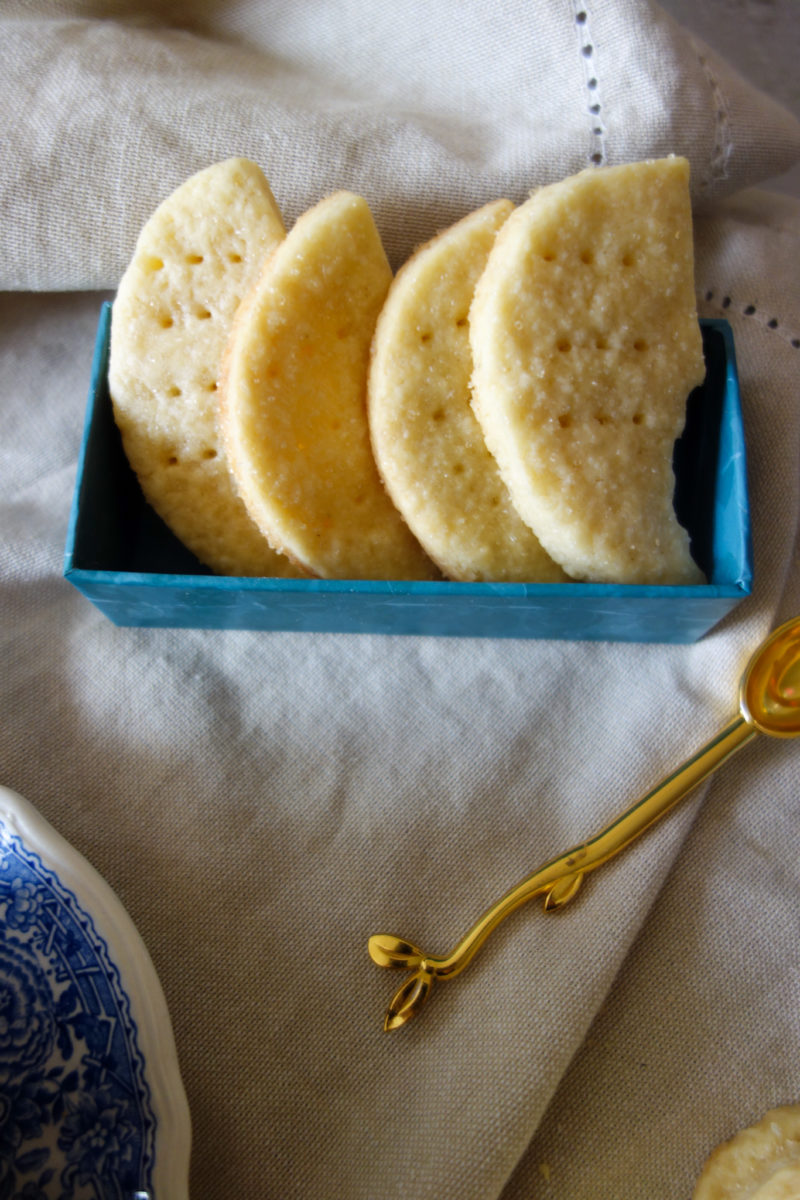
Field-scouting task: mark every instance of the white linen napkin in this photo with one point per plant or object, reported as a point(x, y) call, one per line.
point(263, 803)
point(427, 110)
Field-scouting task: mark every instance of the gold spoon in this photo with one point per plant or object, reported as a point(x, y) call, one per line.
point(769, 702)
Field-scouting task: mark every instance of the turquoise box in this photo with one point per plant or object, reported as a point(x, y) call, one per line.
point(122, 557)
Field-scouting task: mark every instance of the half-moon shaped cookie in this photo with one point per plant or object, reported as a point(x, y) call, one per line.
point(294, 400)
point(197, 255)
point(586, 345)
point(428, 444)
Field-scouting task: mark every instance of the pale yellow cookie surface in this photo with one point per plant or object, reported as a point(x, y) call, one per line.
point(428, 444)
point(586, 345)
point(759, 1163)
point(294, 400)
point(195, 258)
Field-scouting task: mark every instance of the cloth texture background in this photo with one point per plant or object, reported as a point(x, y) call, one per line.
point(262, 803)
point(427, 110)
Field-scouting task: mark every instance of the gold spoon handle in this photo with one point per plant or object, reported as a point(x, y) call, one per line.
point(558, 880)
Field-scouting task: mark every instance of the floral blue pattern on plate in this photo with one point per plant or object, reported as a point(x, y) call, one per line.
point(91, 1100)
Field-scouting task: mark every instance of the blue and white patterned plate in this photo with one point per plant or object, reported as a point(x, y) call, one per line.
point(92, 1106)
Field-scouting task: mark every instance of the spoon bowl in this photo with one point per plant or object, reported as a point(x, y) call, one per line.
point(770, 690)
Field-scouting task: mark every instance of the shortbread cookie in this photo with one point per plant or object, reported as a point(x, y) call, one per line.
point(586, 345)
point(759, 1163)
point(428, 444)
point(293, 400)
point(198, 254)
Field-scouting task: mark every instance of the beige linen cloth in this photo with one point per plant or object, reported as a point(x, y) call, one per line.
point(262, 803)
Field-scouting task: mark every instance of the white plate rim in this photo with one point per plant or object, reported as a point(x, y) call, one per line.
point(149, 1011)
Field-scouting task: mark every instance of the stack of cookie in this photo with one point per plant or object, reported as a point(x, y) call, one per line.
point(504, 408)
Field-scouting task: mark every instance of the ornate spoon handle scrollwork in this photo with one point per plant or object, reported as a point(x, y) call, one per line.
point(558, 880)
